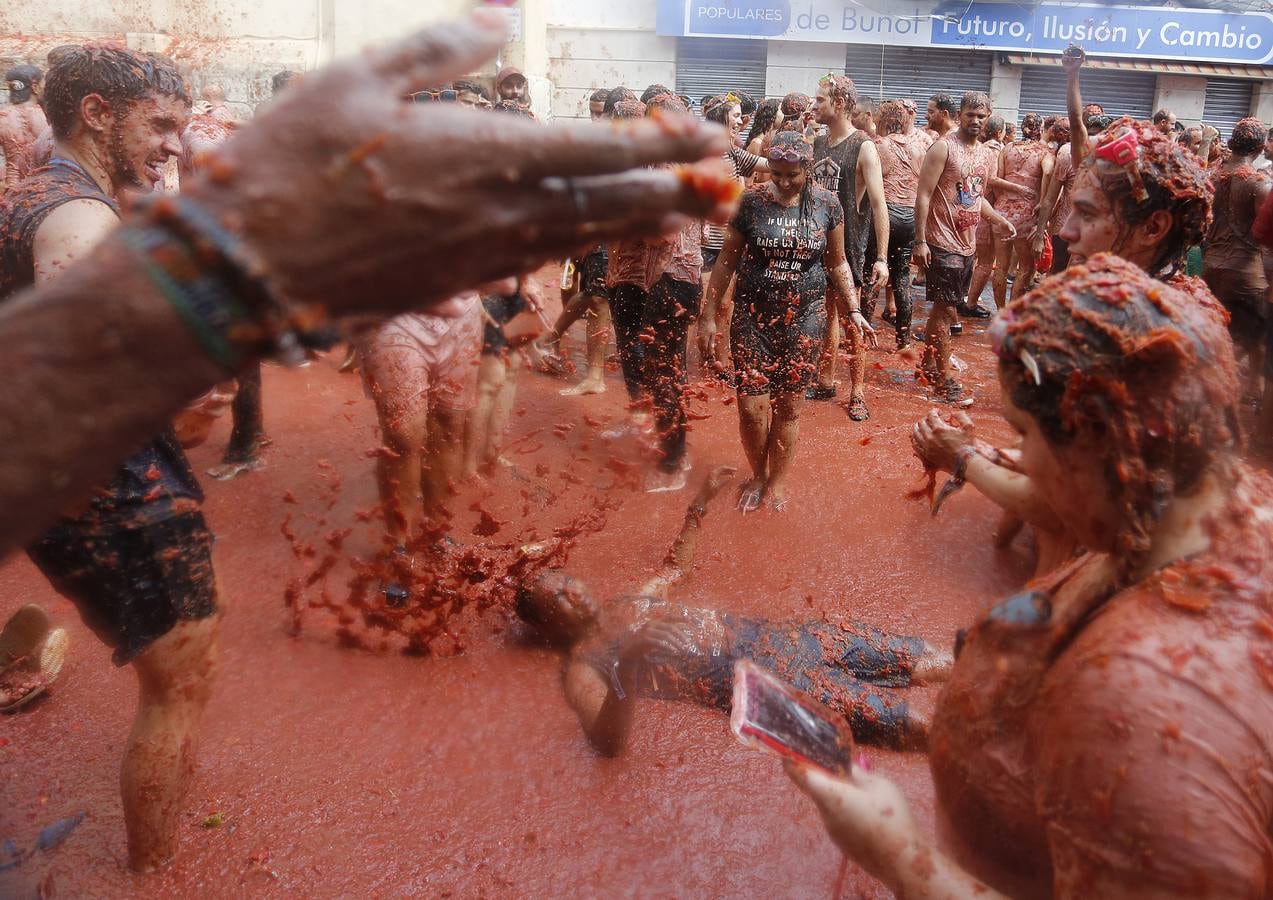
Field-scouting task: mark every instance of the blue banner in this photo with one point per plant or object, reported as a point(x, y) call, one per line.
point(1129, 31)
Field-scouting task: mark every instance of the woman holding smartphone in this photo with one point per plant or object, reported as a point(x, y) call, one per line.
point(1106, 732)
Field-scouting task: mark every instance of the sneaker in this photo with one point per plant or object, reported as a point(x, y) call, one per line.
point(857, 408)
point(974, 312)
point(821, 392)
point(956, 329)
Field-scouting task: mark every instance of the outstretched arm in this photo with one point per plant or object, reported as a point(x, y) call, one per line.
point(680, 558)
point(1074, 106)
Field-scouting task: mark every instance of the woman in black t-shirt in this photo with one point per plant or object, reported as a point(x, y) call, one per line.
point(785, 241)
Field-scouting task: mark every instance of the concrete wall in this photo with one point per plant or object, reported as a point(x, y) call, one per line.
point(1262, 101)
point(1005, 90)
point(237, 43)
point(1185, 95)
point(592, 45)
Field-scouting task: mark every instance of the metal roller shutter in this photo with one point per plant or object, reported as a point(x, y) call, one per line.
point(1120, 93)
point(706, 66)
point(1227, 100)
point(896, 73)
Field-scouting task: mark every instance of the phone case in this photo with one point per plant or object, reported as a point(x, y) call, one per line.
point(769, 714)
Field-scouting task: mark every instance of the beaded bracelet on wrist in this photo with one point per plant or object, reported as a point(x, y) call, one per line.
point(218, 286)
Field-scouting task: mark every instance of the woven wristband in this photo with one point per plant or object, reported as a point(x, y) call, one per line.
point(254, 321)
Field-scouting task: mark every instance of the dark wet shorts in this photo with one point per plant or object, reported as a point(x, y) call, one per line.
point(592, 274)
point(501, 311)
point(842, 666)
point(132, 584)
point(949, 276)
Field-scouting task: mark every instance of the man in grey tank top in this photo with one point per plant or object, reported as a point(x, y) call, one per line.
point(847, 164)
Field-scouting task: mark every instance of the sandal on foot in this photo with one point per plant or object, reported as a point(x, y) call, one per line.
point(749, 496)
point(857, 408)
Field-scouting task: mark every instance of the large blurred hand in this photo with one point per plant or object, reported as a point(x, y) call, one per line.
point(356, 199)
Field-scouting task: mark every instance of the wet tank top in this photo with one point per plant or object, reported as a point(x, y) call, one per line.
point(955, 208)
point(835, 168)
point(906, 158)
point(146, 487)
point(1022, 165)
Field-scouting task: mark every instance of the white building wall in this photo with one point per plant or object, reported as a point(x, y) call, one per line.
point(592, 45)
point(1005, 90)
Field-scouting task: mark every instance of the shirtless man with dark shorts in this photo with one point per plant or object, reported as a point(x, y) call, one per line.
point(21, 122)
point(136, 559)
point(648, 646)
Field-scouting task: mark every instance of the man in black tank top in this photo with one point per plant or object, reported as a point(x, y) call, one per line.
point(136, 559)
point(845, 162)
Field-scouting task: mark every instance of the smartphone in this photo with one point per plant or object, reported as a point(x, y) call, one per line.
point(769, 714)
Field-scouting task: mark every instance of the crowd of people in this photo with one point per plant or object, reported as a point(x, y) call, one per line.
point(1103, 732)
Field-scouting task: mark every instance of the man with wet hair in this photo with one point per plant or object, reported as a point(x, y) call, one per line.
point(941, 115)
point(1165, 121)
point(863, 116)
point(948, 206)
point(615, 96)
point(795, 105)
point(847, 163)
point(597, 103)
point(21, 122)
point(653, 91)
point(136, 561)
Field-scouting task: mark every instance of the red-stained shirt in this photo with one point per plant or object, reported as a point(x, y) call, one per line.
point(1088, 745)
point(680, 257)
point(631, 261)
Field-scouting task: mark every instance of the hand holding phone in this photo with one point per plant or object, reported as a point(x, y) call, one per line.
point(769, 714)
